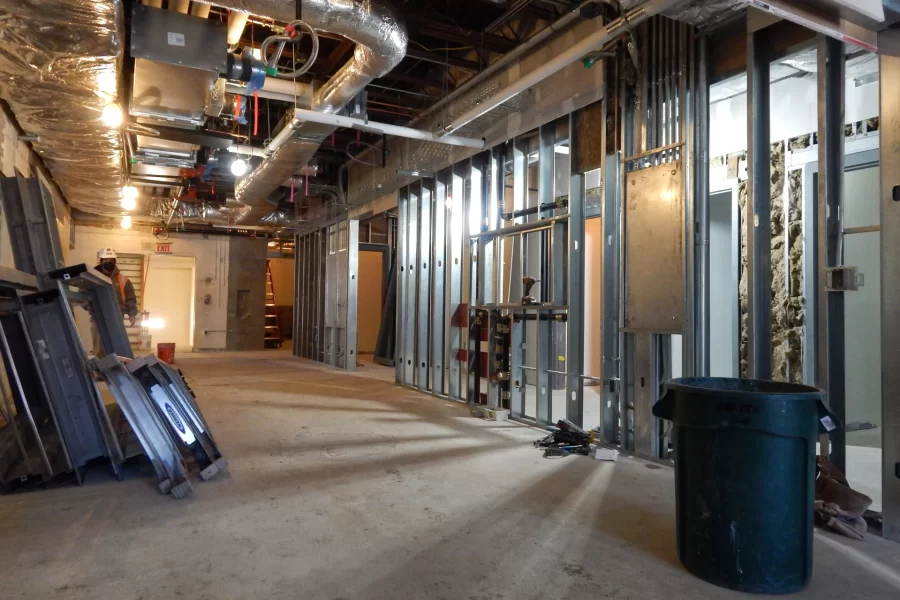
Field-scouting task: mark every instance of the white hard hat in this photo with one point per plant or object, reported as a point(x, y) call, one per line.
point(106, 253)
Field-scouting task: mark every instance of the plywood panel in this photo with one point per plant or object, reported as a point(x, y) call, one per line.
point(654, 248)
point(593, 296)
point(369, 303)
point(283, 280)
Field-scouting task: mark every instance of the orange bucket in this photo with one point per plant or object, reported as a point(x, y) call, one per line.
point(166, 353)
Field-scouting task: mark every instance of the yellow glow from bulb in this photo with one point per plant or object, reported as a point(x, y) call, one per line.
point(129, 203)
point(126, 222)
point(112, 115)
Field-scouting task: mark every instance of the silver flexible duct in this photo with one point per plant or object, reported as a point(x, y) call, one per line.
point(380, 38)
point(59, 67)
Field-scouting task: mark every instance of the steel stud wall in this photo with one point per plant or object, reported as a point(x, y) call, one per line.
point(326, 269)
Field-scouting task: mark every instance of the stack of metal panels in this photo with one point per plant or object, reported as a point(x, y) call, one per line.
point(166, 420)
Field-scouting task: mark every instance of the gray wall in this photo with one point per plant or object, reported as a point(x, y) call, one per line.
point(862, 308)
point(722, 293)
point(246, 293)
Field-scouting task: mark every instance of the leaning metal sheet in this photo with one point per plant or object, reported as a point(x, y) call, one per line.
point(654, 249)
point(148, 427)
point(176, 406)
point(76, 401)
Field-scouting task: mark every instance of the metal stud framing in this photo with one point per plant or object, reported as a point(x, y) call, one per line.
point(326, 271)
point(658, 131)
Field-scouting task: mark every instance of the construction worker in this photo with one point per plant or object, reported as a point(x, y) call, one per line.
point(124, 292)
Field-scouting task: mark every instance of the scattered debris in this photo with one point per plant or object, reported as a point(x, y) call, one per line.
point(608, 454)
point(564, 439)
point(491, 414)
point(837, 506)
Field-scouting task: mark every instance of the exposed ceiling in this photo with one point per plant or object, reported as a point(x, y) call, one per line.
point(448, 43)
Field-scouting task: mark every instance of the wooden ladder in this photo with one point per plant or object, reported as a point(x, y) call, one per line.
point(272, 338)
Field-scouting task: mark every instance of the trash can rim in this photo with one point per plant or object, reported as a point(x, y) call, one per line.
point(742, 386)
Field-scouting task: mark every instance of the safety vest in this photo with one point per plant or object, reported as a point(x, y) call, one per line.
point(121, 279)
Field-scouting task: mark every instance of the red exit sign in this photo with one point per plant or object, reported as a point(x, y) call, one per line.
point(164, 248)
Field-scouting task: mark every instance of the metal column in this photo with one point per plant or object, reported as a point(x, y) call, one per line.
point(890, 291)
point(830, 367)
point(759, 207)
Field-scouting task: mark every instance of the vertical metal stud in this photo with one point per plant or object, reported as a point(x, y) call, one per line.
point(543, 361)
point(456, 245)
point(438, 275)
point(685, 131)
point(644, 396)
point(402, 262)
point(423, 267)
point(575, 325)
point(350, 343)
point(610, 327)
point(701, 199)
point(412, 284)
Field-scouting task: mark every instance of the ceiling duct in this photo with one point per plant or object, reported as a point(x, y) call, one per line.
point(380, 38)
point(59, 66)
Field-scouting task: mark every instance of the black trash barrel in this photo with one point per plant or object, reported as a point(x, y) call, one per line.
point(744, 479)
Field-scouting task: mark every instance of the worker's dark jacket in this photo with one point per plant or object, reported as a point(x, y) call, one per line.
point(124, 291)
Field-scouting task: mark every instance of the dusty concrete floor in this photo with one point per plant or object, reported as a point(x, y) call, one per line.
point(347, 487)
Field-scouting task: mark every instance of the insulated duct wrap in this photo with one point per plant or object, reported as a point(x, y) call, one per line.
point(59, 65)
point(380, 38)
point(699, 13)
point(197, 212)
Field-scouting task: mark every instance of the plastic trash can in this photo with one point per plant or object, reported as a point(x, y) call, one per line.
point(166, 353)
point(744, 479)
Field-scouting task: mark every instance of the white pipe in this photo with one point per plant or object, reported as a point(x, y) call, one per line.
point(179, 6)
point(286, 90)
point(561, 61)
point(302, 115)
point(247, 150)
point(201, 10)
point(236, 23)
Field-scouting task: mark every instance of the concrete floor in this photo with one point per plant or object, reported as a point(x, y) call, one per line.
point(347, 487)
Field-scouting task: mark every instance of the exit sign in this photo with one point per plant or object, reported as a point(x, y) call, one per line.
point(164, 248)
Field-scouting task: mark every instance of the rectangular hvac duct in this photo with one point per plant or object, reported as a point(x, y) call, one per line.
point(170, 93)
point(178, 39)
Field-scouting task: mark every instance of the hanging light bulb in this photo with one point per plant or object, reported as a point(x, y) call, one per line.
point(129, 203)
point(129, 191)
point(238, 167)
point(126, 222)
point(112, 115)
